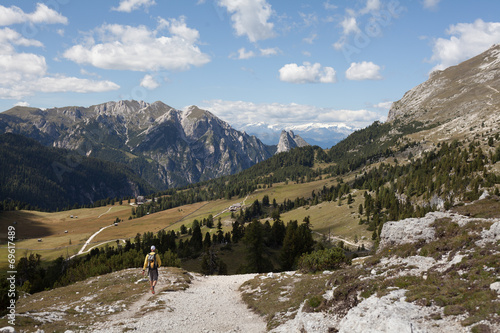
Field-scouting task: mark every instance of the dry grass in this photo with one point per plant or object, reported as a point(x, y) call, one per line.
point(488, 208)
point(279, 297)
point(81, 304)
point(153, 222)
point(329, 218)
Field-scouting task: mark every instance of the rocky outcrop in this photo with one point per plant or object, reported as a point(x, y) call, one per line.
point(411, 231)
point(288, 141)
point(391, 313)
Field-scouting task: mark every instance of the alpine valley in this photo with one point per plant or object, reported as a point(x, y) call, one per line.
point(396, 228)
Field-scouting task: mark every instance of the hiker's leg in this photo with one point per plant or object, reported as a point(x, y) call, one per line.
point(150, 280)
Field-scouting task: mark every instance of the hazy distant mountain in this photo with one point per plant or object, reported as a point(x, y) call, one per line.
point(167, 147)
point(323, 135)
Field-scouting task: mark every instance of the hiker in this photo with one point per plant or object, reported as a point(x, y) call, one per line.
point(152, 262)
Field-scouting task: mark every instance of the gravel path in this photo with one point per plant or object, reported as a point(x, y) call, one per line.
point(210, 304)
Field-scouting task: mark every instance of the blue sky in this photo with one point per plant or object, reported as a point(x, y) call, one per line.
point(247, 61)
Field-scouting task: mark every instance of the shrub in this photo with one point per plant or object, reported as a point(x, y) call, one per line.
point(323, 260)
point(314, 301)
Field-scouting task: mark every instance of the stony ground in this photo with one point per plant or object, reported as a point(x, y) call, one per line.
point(210, 304)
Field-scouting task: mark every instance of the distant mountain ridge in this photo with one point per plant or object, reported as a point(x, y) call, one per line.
point(323, 135)
point(167, 147)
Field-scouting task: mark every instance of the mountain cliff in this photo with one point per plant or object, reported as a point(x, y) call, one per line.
point(460, 100)
point(167, 147)
point(288, 141)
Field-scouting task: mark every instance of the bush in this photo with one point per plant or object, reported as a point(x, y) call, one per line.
point(323, 260)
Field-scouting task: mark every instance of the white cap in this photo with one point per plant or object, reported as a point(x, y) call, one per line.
point(153, 248)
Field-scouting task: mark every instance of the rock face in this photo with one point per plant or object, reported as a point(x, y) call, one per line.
point(391, 313)
point(411, 231)
point(288, 141)
point(167, 147)
point(470, 88)
point(460, 102)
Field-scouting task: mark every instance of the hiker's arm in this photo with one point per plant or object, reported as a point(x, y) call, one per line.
point(158, 260)
point(145, 263)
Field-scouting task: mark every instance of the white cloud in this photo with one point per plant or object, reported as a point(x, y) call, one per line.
point(85, 72)
point(250, 18)
point(430, 4)
point(22, 104)
point(124, 47)
point(240, 113)
point(271, 51)
point(131, 5)
point(329, 6)
point(9, 37)
point(363, 71)
point(310, 39)
point(371, 18)
point(178, 27)
point(42, 15)
point(24, 74)
point(309, 19)
point(350, 26)
point(149, 82)
point(307, 73)
point(61, 83)
point(467, 40)
point(371, 6)
point(383, 105)
point(244, 54)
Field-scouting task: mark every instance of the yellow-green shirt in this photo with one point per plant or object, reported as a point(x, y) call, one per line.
point(158, 260)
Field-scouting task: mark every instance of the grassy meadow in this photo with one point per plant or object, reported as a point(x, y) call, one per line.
point(64, 233)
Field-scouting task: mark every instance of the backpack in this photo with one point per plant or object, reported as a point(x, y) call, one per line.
point(152, 261)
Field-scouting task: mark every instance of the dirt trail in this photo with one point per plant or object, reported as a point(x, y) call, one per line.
point(210, 304)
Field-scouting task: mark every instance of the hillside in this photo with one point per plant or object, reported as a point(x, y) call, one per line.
point(461, 101)
point(52, 178)
point(434, 274)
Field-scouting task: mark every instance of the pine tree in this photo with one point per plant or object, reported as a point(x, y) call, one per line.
point(254, 241)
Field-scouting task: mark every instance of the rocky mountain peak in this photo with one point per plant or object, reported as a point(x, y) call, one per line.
point(288, 141)
point(464, 94)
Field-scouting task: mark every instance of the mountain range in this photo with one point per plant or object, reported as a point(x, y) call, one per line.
point(165, 146)
point(169, 148)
